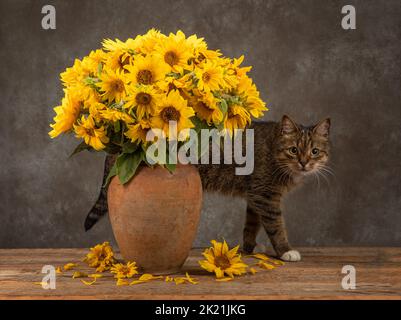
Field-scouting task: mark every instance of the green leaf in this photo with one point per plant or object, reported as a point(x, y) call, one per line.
point(129, 147)
point(99, 69)
point(117, 126)
point(112, 148)
point(111, 174)
point(170, 167)
point(81, 147)
point(127, 164)
point(223, 106)
point(199, 124)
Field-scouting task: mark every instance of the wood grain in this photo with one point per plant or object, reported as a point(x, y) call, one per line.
point(317, 276)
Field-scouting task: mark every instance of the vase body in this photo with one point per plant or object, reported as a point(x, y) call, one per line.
point(155, 216)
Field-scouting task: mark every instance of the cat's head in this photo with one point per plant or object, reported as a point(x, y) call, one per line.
point(303, 150)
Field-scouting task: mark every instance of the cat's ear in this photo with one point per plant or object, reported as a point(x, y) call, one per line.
point(287, 125)
point(322, 128)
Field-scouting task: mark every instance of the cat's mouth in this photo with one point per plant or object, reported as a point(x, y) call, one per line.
point(304, 170)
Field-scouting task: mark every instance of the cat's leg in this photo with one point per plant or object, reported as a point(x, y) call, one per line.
point(273, 222)
point(251, 229)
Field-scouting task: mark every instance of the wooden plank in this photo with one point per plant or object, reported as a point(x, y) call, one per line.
point(317, 276)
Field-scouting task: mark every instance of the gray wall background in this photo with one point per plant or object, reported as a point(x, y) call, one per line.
point(305, 65)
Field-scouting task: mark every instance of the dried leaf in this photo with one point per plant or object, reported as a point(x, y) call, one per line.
point(136, 282)
point(225, 279)
point(88, 283)
point(265, 265)
point(260, 256)
point(148, 276)
point(252, 270)
point(78, 274)
point(70, 266)
point(121, 282)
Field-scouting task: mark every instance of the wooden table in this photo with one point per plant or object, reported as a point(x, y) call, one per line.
point(318, 276)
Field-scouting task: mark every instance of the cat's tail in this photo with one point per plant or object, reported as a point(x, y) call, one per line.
point(99, 209)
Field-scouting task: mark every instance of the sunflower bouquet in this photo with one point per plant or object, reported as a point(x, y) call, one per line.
point(114, 96)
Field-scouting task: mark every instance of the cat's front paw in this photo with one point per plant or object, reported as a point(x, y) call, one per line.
point(292, 255)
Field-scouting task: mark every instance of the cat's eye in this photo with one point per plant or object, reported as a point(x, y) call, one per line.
point(315, 151)
point(293, 150)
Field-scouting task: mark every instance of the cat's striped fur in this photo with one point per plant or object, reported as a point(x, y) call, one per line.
point(285, 153)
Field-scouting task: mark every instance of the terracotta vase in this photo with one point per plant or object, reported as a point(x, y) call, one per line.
point(155, 216)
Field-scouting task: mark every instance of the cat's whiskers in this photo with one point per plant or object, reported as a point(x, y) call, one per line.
point(322, 171)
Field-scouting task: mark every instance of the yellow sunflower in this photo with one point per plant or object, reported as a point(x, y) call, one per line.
point(123, 271)
point(95, 110)
point(138, 131)
point(143, 99)
point(93, 136)
point(114, 115)
point(240, 71)
point(237, 118)
point(206, 108)
point(101, 257)
point(210, 77)
point(223, 261)
point(112, 85)
point(173, 107)
point(255, 105)
point(91, 62)
point(245, 85)
point(75, 75)
point(201, 51)
point(146, 70)
point(150, 40)
point(174, 51)
point(117, 60)
point(67, 113)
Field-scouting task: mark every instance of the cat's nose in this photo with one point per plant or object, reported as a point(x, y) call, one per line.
point(303, 163)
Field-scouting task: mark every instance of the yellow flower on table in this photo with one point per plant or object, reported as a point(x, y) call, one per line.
point(172, 108)
point(223, 261)
point(101, 257)
point(123, 271)
point(92, 135)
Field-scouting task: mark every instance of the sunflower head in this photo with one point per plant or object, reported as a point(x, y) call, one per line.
point(123, 271)
point(137, 132)
point(223, 261)
point(237, 118)
point(173, 107)
point(206, 108)
point(112, 85)
point(101, 257)
point(210, 77)
point(146, 70)
point(67, 113)
point(94, 136)
point(143, 99)
point(175, 51)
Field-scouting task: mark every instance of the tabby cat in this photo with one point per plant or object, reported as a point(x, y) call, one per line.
point(285, 153)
